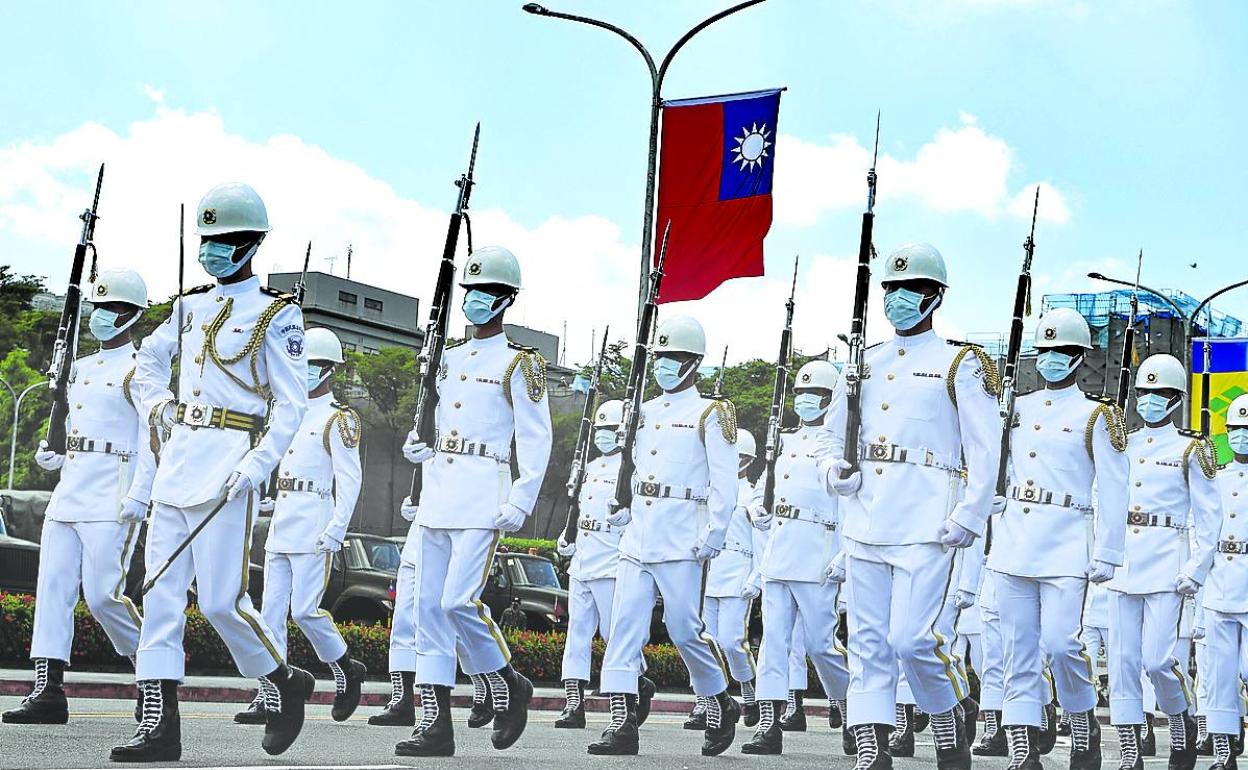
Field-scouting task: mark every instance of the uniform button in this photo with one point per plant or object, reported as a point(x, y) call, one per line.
point(892, 376)
point(884, 407)
point(472, 353)
point(1141, 461)
point(651, 478)
point(1030, 482)
point(450, 460)
point(1048, 403)
point(77, 406)
point(285, 473)
point(290, 451)
point(1032, 453)
point(195, 391)
point(1026, 510)
point(1229, 558)
point(1137, 507)
point(901, 351)
point(786, 475)
point(1232, 515)
point(70, 455)
point(1136, 531)
point(75, 431)
point(199, 359)
point(879, 471)
point(656, 427)
point(99, 363)
point(792, 454)
point(88, 382)
point(1139, 483)
point(463, 377)
point(667, 403)
point(285, 494)
point(1037, 427)
point(1150, 440)
point(220, 299)
point(589, 497)
point(457, 405)
point(649, 502)
point(654, 451)
point(882, 439)
point(454, 433)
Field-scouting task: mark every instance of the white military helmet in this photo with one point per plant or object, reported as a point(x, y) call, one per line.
point(231, 208)
point(1063, 327)
point(816, 374)
point(320, 344)
point(609, 414)
point(915, 262)
point(491, 265)
point(745, 443)
point(119, 285)
point(680, 334)
point(1237, 412)
point(1161, 371)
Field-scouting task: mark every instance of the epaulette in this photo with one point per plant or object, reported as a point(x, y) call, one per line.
point(990, 378)
point(726, 411)
point(876, 345)
point(523, 348)
point(789, 432)
point(198, 289)
point(455, 343)
point(532, 366)
point(1190, 433)
point(282, 295)
point(1101, 399)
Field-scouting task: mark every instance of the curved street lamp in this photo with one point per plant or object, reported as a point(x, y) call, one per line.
point(657, 74)
point(17, 406)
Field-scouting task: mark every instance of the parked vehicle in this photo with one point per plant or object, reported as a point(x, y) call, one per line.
point(19, 559)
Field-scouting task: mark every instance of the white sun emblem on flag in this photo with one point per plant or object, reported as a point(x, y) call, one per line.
point(751, 146)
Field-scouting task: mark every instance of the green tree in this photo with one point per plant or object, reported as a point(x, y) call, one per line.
point(32, 422)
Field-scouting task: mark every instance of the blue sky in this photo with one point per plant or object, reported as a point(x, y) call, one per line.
point(1133, 113)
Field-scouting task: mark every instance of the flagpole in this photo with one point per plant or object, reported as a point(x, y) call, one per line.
point(657, 74)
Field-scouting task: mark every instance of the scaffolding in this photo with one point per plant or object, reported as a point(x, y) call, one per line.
point(1102, 307)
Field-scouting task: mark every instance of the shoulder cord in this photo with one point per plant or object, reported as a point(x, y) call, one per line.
point(992, 379)
point(1115, 423)
point(1205, 457)
point(533, 368)
point(350, 429)
point(727, 414)
point(248, 351)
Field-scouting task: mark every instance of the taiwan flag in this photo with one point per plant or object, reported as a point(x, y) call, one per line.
point(716, 164)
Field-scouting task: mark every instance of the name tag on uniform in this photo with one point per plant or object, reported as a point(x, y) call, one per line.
point(930, 375)
point(488, 381)
point(682, 425)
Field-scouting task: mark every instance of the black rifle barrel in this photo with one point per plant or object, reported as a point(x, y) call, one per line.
point(779, 394)
point(580, 451)
point(1009, 380)
point(854, 364)
point(1128, 340)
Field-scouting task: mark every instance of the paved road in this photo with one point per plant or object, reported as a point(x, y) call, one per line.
point(210, 739)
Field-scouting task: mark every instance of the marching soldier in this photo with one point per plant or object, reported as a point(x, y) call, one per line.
point(1063, 445)
point(318, 484)
point(1225, 599)
point(1172, 488)
point(802, 541)
point(685, 488)
point(929, 414)
point(243, 345)
point(92, 521)
point(491, 392)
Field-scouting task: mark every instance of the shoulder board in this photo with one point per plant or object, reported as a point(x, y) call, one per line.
point(523, 348)
point(788, 432)
point(198, 289)
point(1109, 400)
point(1135, 430)
point(455, 343)
point(876, 345)
point(284, 295)
point(961, 344)
point(1191, 433)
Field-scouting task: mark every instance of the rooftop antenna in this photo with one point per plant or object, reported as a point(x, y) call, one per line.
point(350, 249)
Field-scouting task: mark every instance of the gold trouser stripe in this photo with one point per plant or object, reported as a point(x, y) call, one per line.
point(1083, 648)
point(127, 550)
point(1178, 672)
point(329, 560)
point(476, 600)
point(745, 639)
point(247, 617)
point(939, 647)
point(704, 635)
point(836, 627)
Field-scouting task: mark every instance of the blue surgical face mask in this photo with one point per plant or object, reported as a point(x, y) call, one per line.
point(103, 324)
point(902, 307)
point(315, 378)
point(1055, 366)
point(605, 440)
point(218, 258)
point(809, 406)
point(1154, 407)
point(479, 307)
point(668, 372)
point(1238, 439)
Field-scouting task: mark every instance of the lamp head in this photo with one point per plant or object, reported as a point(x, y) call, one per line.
point(535, 9)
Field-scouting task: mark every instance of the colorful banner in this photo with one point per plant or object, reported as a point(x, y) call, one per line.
point(1228, 378)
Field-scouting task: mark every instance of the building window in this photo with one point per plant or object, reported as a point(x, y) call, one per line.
point(372, 304)
point(349, 346)
point(370, 351)
point(347, 298)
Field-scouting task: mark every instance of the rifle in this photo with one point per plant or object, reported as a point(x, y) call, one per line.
point(637, 381)
point(1009, 380)
point(855, 361)
point(177, 389)
point(779, 394)
point(719, 377)
point(1128, 339)
point(580, 450)
point(430, 358)
point(301, 286)
point(65, 349)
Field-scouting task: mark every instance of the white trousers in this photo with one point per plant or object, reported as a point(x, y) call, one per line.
point(1144, 632)
point(1226, 641)
point(1039, 620)
point(454, 565)
point(637, 586)
point(799, 672)
point(789, 607)
point(403, 623)
point(896, 595)
point(294, 584)
point(991, 663)
point(589, 613)
point(96, 556)
point(217, 562)
point(727, 618)
point(946, 628)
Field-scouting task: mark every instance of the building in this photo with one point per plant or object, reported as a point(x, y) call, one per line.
point(366, 318)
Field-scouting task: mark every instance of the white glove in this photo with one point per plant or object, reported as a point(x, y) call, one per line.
point(954, 535)
point(47, 459)
point(408, 509)
point(845, 487)
point(266, 505)
point(132, 510)
point(415, 450)
point(1198, 631)
point(621, 516)
point(327, 543)
point(1186, 586)
point(835, 572)
point(998, 505)
point(760, 517)
point(167, 417)
point(509, 518)
point(564, 548)
point(963, 599)
point(750, 591)
point(237, 485)
point(1100, 572)
point(704, 552)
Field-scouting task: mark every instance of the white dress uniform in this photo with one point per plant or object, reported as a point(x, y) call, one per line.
point(107, 460)
point(725, 612)
point(591, 588)
point(1225, 603)
point(1062, 443)
point(685, 489)
point(929, 410)
point(796, 596)
point(489, 393)
point(1172, 488)
point(318, 483)
point(242, 345)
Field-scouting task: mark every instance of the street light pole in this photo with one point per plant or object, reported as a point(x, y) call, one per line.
point(657, 74)
point(1206, 418)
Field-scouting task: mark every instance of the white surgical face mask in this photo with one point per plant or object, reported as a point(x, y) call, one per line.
point(1238, 439)
point(605, 440)
point(1055, 366)
point(103, 324)
point(668, 373)
point(314, 376)
point(1154, 407)
point(809, 406)
point(903, 308)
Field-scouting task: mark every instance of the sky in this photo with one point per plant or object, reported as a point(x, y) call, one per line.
point(353, 119)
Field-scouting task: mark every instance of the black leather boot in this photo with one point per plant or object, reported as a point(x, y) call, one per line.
point(722, 715)
point(970, 718)
point(1129, 754)
point(434, 736)
point(901, 742)
point(401, 710)
point(697, 716)
point(1024, 753)
point(573, 715)
point(645, 694)
point(348, 679)
point(1148, 737)
point(254, 714)
point(46, 704)
point(620, 737)
point(993, 742)
point(482, 706)
point(1182, 752)
point(749, 713)
point(794, 718)
point(159, 735)
point(511, 710)
point(872, 743)
point(921, 720)
point(836, 714)
point(849, 743)
point(953, 752)
point(1085, 741)
point(1048, 730)
point(288, 691)
point(1223, 747)
point(768, 738)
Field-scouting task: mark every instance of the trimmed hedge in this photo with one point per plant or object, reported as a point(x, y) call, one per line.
point(523, 544)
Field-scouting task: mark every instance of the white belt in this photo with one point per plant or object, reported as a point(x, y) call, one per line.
point(893, 453)
point(293, 484)
point(1034, 494)
point(81, 444)
point(591, 525)
point(659, 489)
point(787, 511)
point(458, 445)
point(733, 545)
point(1144, 519)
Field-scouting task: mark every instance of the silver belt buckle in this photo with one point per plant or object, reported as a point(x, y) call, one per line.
point(1030, 494)
point(879, 451)
point(73, 443)
point(197, 415)
point(453, 444)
